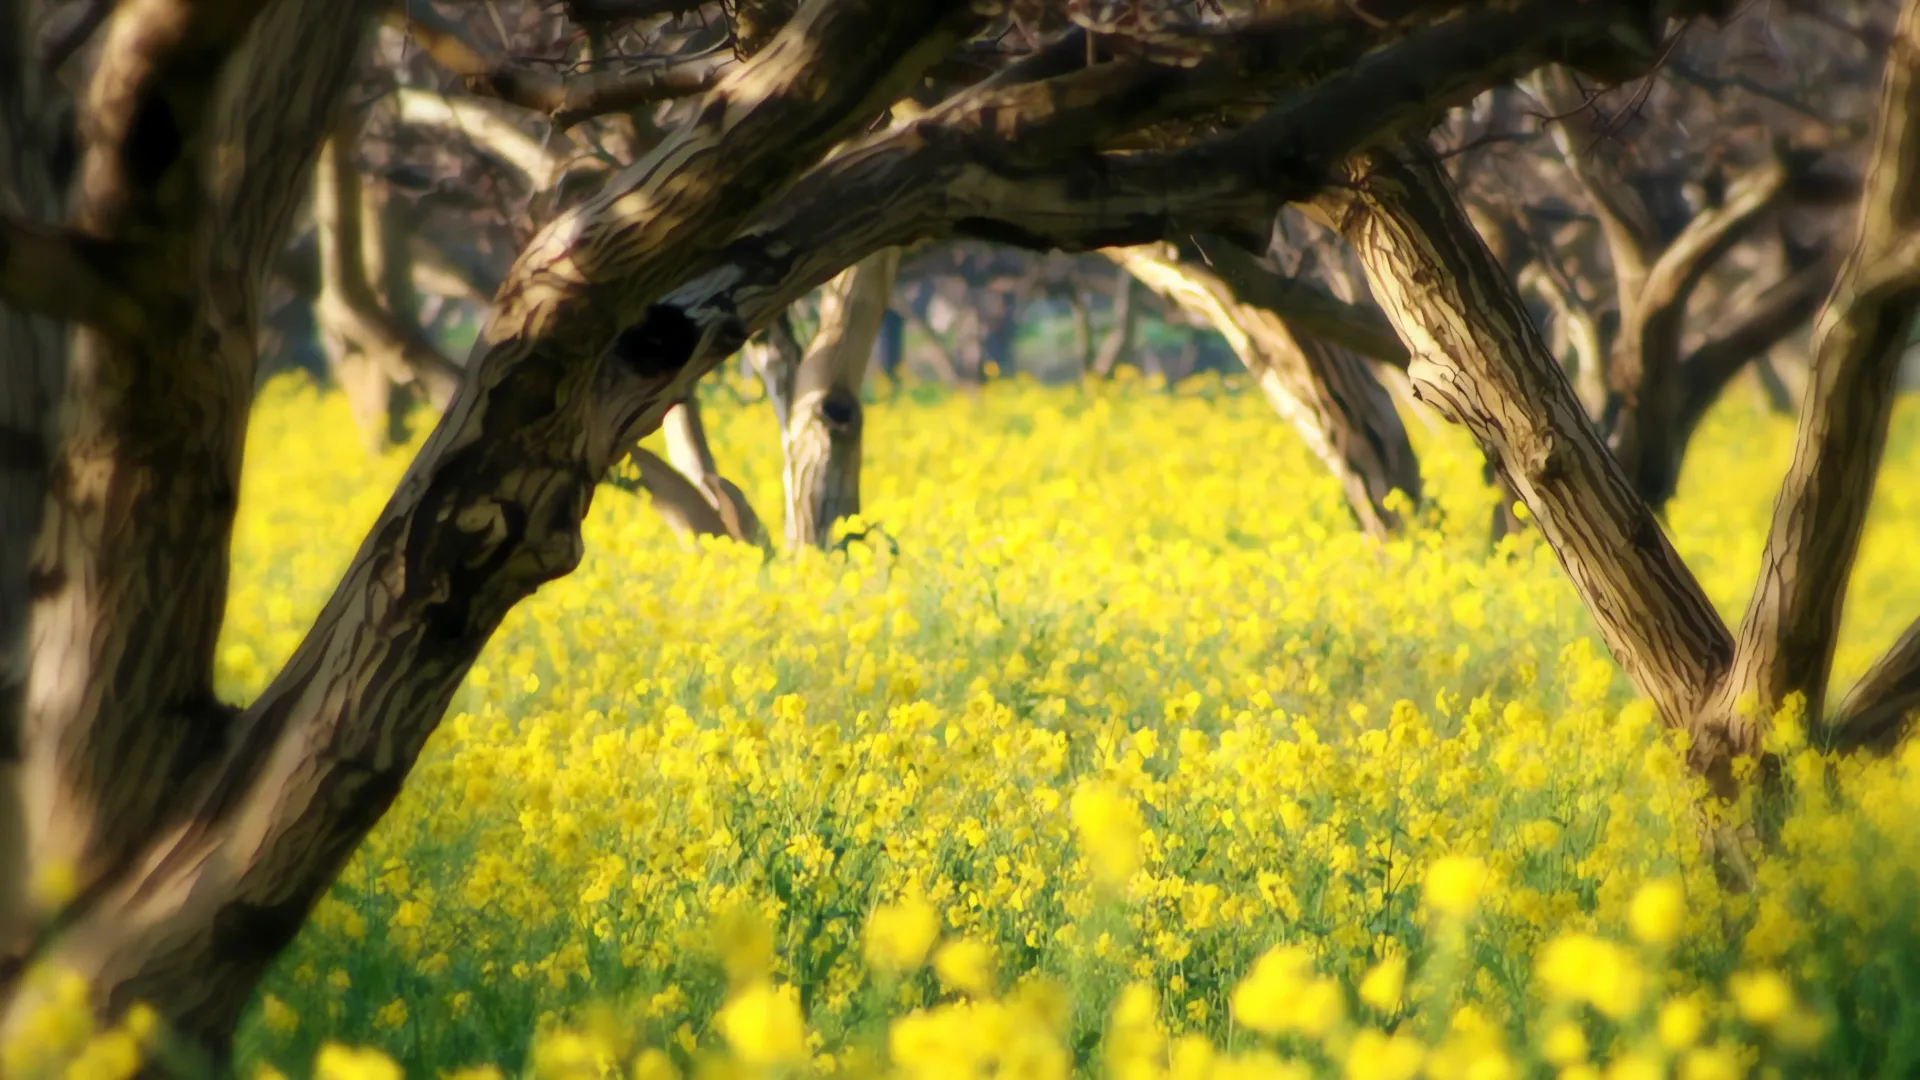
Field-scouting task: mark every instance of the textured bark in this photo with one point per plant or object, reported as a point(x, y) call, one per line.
point(820, 439)
point(1787, 637)
point(130, 567)
point(1325, 392)
point(32, 364)
point(1479, 361)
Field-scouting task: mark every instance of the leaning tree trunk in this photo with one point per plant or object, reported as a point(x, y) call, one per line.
point(692, 457)
point(1117, 345)
point(821, 434)
point(1478, 359)
point(32, 364)
point(1326, 392)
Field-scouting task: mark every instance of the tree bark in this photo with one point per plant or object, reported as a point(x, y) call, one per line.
point(1479, 361)
point(1325, 392)
point(821, 440)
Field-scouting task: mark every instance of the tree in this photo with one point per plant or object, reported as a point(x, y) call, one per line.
point(198, 834)
point(1479, 359)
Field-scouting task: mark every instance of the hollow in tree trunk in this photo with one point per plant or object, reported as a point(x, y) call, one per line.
point(821, 439)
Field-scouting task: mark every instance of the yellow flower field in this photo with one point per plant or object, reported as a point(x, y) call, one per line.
point(1112, 750)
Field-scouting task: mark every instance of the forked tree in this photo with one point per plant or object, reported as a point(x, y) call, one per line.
point(1478, 358)
point(198, 834)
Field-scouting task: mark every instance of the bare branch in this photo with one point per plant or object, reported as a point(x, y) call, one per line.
point(565, 99)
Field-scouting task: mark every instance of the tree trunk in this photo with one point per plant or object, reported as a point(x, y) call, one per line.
point(1118, 344)
point(1083, 340)
point(1327, 393)
point(32, 367)
point(891, 347)
point(822, 435)
point(132, 558)
point(1479, 361)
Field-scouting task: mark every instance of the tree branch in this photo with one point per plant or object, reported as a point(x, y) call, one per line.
point(565, 99)
point(489, 510)
point(1779, 310)
point(1327, 394)
point(1879, 710)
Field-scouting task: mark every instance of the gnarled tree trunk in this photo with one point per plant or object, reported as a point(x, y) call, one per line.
point(822, 429)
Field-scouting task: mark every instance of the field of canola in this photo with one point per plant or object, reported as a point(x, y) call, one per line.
point(1116, 751)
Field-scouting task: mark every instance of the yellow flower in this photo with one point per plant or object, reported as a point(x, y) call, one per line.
point(1657, 912)
point(1712, 1063)
point(1385, 983)
point(392, 1016)
point(339, 1062)
point(1566, 1044)
point(965, 965)
point(654, 1064)
point(1579, 967)
point(1109, 826)
point(899, 935)
point(1762, 997)
point(763, 1025)
point(278, 1015)
point(1680, 1024)
point(1377, 1056)
point(1264, 1000)
point(1454, 885)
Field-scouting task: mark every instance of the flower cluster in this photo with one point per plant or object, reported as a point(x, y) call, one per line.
point(1109, 747)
